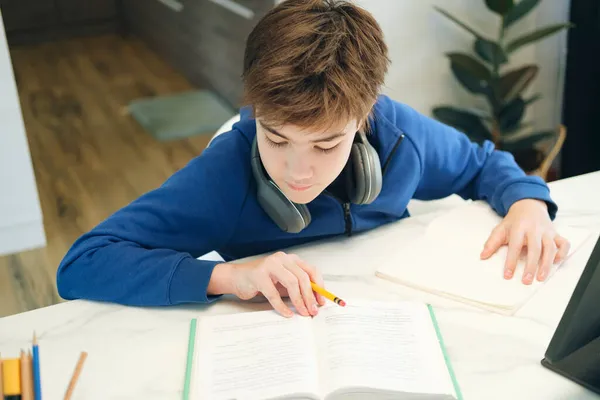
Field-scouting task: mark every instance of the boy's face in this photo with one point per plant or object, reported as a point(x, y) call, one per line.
point(303, 163)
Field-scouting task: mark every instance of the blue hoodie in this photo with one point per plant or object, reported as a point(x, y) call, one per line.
point(146, 253)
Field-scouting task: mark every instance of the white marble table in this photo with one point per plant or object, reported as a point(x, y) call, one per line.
point(137, 353)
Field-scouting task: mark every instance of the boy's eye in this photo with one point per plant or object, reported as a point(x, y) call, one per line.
point(326, 150)
point(275, 144)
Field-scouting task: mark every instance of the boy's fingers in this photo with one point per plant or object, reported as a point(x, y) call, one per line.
point(267, 288)
point(305, 288)
point(282, 290)
point(320, 299)
point(514, 250)
point(548, 254)
point(289, 280)
point(497, 238)
point(563, 248)
point(312, 272)
point(534, 251)
point(315, 276)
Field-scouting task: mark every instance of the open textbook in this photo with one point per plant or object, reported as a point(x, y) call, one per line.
point(374, 350)
point(445, 261)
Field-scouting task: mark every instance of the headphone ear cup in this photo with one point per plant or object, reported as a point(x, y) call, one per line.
point(373, 170)
point(287, 215)
point(367, 180)
point(356, 179)
point(306, 217)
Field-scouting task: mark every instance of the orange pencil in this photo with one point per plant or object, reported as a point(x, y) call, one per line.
point(327, 295)
point(75, 376)
point(26, 378)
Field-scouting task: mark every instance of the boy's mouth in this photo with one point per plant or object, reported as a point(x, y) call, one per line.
point(298, 188)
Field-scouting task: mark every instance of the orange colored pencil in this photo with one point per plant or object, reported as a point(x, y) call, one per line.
point(75, 376)
point(26, 377)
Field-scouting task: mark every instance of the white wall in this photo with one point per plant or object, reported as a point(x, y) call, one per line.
point(21, 225)
point(418, 36)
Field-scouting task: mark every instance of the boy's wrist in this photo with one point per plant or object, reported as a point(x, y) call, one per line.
point(221, 280)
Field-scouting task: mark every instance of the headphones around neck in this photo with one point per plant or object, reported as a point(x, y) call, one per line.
point(363, 185)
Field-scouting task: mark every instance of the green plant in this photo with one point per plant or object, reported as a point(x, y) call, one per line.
point(484, 72)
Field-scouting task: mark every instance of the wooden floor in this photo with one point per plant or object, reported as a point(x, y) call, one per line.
point(89, 157)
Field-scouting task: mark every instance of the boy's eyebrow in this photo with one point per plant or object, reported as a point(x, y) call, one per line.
point(324, 139)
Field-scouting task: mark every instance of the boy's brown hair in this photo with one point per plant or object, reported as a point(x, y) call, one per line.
point(314, 63)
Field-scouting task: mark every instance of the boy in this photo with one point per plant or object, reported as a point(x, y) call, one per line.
point(317, 152)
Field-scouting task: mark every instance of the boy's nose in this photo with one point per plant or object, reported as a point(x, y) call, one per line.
point(299, 170)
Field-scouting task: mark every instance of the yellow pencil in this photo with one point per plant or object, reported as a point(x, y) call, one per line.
point(11, 372)
point(327, 294)
point(1, 378)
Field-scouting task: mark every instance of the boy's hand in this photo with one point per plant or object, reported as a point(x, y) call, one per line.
point(275, 276)
point(527, 224)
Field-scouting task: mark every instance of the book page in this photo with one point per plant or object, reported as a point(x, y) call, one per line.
point(255, 355)
point(446, 260)
point(386, 346)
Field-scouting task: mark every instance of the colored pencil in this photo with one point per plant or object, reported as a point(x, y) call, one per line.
point(37, 380)
point(30, 359)
point(327, 295)
point(1, 379)
point(11, 372)
point(75, 376)
point(26, 378)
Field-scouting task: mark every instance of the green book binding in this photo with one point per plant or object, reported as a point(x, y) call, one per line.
point(190, 360)
point(446, 357)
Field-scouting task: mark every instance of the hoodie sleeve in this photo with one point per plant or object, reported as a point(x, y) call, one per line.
point(452, 164)
point(145, 253)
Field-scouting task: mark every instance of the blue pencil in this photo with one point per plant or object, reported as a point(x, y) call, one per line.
point(37, 381)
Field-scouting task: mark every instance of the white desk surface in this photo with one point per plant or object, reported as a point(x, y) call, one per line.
point(140, 353)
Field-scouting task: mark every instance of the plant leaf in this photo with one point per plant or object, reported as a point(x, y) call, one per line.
point(470, 64)
point(519, 11)
point(514, 130)
point(510, 115)
point(527, 141)
point(463, 120)
point(458, 22)
point(483, 114)
point(490, 51)
point(534, 36)
point(500, 6)
point(533, 99)
point(513, 83)
point(471, 73)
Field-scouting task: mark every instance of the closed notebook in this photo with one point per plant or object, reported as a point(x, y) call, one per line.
point(445, 261)
point(374, 350)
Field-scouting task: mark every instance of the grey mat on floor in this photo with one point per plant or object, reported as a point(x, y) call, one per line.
point(181, 115)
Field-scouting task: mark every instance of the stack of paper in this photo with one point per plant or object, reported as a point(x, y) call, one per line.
point(446, 261)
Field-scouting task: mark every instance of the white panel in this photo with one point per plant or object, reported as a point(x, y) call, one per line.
point(21, 223)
